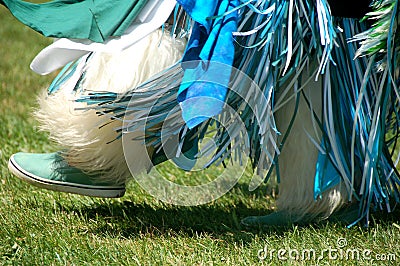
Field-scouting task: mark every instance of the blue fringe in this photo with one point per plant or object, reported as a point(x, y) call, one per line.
point(276, 41)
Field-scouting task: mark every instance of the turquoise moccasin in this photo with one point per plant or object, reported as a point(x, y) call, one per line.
point(51, 171)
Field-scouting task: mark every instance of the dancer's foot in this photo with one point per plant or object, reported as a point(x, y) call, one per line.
point(279, 218)
point(51, 171)
point(347, 214)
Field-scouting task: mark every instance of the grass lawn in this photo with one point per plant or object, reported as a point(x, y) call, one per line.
point(40, 227)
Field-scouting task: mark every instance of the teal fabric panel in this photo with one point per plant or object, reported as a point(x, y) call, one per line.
point(96, 20)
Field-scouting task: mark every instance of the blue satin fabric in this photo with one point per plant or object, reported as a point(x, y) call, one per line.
point(208, 58)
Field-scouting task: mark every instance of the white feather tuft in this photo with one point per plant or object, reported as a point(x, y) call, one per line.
point(87, 145)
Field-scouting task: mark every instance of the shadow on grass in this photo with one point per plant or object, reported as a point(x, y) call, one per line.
point(129, 219)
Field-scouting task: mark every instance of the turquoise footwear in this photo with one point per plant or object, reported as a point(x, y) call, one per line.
point(51, 171)
point(347, 214)
point(278, 218)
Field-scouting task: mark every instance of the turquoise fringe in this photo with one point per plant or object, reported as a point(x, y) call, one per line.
point(276, 42)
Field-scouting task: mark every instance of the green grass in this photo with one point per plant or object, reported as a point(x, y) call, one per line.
point(40, 227)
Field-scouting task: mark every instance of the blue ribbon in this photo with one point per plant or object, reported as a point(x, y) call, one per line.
point(208, 59)
point(326, 175)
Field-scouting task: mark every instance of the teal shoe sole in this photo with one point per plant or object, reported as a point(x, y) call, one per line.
point(61, 186)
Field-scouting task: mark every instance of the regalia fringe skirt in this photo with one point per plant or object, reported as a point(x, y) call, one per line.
point(324, 114)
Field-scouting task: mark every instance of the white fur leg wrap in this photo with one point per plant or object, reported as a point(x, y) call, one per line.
point(298, 159)
point(92, 148)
